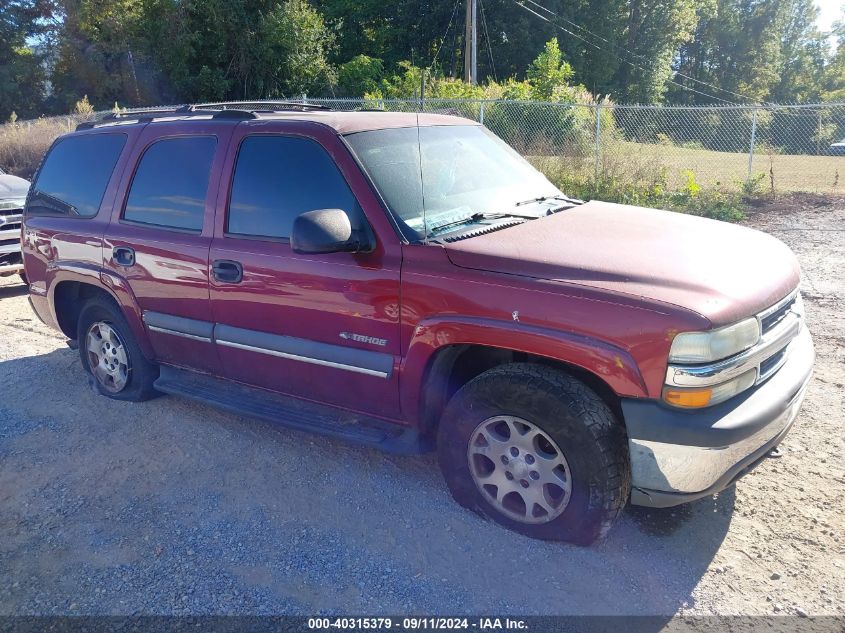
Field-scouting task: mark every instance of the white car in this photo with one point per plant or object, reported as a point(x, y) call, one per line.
point(13, 192)
point(838, 148)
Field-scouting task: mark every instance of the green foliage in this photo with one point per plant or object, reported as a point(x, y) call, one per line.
point(549, 73)
point(629, 182)
point(22, 76)
point(763, 51)
point(360, 75)
point(292, 57)
point(155, 51)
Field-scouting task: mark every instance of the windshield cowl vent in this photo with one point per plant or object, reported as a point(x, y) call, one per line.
point(483, 230)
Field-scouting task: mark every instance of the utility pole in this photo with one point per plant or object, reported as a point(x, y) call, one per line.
point(471, 43)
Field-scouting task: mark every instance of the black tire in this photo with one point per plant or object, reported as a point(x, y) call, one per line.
point(140, 374)
point(24, 278)
point(590, 437)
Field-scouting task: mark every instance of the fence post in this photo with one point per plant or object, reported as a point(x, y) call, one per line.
point(481, 113)
point(598, 139)
point(753, 141)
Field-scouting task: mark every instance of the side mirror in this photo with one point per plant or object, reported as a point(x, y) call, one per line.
point(324, 231)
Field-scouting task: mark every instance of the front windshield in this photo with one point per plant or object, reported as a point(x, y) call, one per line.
point(435, 176)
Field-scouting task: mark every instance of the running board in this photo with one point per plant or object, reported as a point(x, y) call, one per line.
point(288, 411)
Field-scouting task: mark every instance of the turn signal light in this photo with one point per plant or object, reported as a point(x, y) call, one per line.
point(690, 399)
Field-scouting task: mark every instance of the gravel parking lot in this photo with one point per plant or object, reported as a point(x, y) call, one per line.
point(170, 507)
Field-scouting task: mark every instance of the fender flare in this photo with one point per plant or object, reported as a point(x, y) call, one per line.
point(113, 285)
point(609, 363)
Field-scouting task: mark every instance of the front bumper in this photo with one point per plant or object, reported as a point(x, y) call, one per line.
point(680, 455)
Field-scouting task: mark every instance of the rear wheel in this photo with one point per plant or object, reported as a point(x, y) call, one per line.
point(537, 451)
point(110, 354)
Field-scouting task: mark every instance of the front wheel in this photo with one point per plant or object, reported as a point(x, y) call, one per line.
point(110, 354)
point(537, 451)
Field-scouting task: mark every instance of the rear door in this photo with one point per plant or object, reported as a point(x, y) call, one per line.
point(160, 233)
point(324, 327)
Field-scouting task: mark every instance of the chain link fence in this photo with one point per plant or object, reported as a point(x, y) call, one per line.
point(776, 148)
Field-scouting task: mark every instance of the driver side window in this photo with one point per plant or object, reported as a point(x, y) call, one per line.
point(278, 178)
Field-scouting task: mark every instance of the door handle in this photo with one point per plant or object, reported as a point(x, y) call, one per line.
point(123, 256)
point(227, 271)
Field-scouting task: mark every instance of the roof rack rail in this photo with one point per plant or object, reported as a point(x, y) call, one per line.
point(257, 106)
point(142, 112)
point(218, 110)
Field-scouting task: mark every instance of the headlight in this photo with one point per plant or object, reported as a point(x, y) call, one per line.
point(706, 347)
point(12, 204)
point(708, 396)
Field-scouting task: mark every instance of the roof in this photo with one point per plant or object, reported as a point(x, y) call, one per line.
point(363, 121)
point(343, 122)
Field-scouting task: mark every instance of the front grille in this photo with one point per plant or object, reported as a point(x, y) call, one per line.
point(770, 320)
point(10, 225)
point(772, 364)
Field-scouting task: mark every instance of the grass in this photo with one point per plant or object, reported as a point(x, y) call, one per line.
point(784, 173)
point(23, 144)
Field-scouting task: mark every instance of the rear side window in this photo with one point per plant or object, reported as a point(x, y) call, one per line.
point(280, 177)
point(75, 174)
point(170, 185)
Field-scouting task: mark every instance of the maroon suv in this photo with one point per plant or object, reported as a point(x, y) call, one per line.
point(409, 281)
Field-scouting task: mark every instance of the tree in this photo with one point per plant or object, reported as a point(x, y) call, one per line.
point(802, 56)
point(754, 51)
point(654, 29)
point(360, 75)
point(22, 73)
point(97, 52)
point(292, 55)
point(833, 78)
point(549, 72)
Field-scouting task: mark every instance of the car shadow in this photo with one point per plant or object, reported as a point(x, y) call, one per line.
point(12, 289)
point(168, 494)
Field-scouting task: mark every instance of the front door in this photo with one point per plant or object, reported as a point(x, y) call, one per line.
point(323, 327)
point(160, 233)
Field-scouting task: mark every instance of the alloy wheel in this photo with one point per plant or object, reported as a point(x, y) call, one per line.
point(519, 469)
point(107, 356)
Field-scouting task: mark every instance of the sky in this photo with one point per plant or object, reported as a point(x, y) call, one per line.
point(829, 12)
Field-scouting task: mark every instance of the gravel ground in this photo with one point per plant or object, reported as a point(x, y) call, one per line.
point(171, 507)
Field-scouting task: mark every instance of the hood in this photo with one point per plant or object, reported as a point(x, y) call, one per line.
point(721, 271)
point(12, 187)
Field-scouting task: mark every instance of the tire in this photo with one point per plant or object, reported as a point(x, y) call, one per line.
point(133, 376)
point(24, 279)
point(545, 414)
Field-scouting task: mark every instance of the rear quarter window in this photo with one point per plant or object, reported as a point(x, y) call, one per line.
point(73, 179)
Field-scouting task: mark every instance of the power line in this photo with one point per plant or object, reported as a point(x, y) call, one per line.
point(630, 52)
point(487, 37)
point(445, 35)
point(596, 46)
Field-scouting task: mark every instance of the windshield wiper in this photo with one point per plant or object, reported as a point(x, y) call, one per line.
point(544, 198)
point(480, 215)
